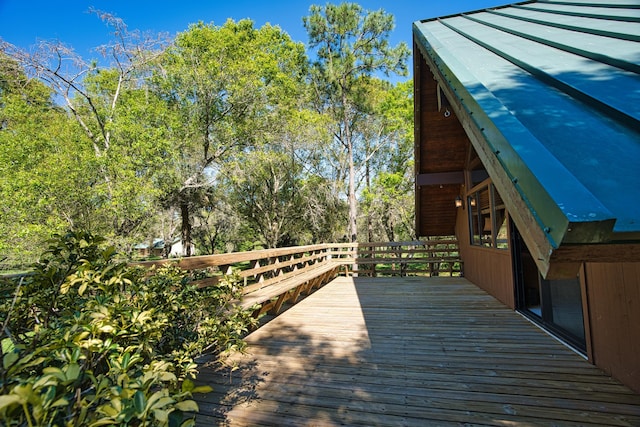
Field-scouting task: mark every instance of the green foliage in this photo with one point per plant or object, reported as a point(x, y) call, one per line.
point(226, 87)
point(90, 341)
point(44, 177)
point(397, 111)
point(389, 203)
point(325, 213)
point(265, 190)
point(136, 150)
point(352, 46)
point(55, 177)
point(388, 200)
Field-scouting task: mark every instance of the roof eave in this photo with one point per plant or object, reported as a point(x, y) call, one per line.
point(579, 218)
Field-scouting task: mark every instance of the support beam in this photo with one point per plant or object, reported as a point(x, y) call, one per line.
point(442, 178)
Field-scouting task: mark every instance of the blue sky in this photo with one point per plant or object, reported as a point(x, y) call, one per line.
point(24, 22)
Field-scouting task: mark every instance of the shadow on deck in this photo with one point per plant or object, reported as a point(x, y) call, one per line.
point(412, 352)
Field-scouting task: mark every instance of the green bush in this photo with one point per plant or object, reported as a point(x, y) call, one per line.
point(87, 340)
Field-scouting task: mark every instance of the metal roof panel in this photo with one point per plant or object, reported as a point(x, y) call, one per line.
point(570, 117)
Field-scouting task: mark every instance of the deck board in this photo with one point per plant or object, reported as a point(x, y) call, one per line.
point(414, 352)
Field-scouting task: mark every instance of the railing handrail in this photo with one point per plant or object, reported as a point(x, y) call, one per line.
point(223, 259)
point(344, 253)
point(217, 260)
point(395, 244)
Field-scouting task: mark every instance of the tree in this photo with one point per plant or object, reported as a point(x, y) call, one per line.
point(120, 121)
point(94, 105)
point(223, 85)
point(218, 225)
point(265, 190)
point(390, 205)
point(46, 175)
point(324, 211)
point(397, 111)
point(351, 46)
point(389, 199)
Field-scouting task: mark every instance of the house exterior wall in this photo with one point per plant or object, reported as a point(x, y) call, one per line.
point(611, 298)
point(613, 294)
point(490, 269)
point(610, 291)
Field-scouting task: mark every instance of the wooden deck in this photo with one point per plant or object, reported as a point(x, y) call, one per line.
point(410, 352)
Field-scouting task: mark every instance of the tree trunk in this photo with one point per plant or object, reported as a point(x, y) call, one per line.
point(185, 228)
point(369, 220)
point(353, 206)
point(353, 202)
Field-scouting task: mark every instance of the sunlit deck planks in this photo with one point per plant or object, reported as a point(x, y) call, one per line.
point(410, 351)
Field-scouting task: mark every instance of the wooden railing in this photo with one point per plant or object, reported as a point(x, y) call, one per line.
point(423, 257)
point(260, 266)
point(271, 277)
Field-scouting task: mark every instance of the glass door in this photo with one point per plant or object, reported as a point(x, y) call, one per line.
point(554, 304)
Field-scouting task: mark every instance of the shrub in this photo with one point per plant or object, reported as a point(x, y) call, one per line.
point(88, 340)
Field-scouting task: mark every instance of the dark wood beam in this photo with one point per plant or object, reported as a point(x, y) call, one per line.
point(441, 178)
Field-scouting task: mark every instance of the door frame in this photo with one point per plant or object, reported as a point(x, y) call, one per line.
point(545, 318)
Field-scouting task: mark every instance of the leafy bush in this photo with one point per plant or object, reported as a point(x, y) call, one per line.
point(87, 340)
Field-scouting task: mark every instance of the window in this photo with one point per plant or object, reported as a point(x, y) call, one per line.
point(501, 223)
point(487, 218)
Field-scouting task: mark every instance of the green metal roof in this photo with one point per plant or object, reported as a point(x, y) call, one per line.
point(555, 86)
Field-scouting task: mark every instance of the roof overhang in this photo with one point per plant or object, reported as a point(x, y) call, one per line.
point(562, 222)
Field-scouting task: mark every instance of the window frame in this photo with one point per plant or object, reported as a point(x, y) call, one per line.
point(485, 214)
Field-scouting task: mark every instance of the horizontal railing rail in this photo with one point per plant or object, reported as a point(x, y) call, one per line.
point(271, 276)
point(432, 257)
point(259, 266)
point(420, 257)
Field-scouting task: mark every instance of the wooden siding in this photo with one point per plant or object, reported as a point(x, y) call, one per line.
point(440, 147)
point(614, 301)
point(412, 352)
point(437, 210)
point(490, 269)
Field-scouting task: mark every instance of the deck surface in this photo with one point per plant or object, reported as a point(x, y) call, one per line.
point(409, 352)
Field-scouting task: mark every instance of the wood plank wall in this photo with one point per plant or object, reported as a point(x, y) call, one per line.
point(612, 298)
point(441, 146)
point(490, 269)
point(614, 308)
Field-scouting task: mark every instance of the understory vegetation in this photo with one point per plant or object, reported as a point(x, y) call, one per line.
point(88, 340)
